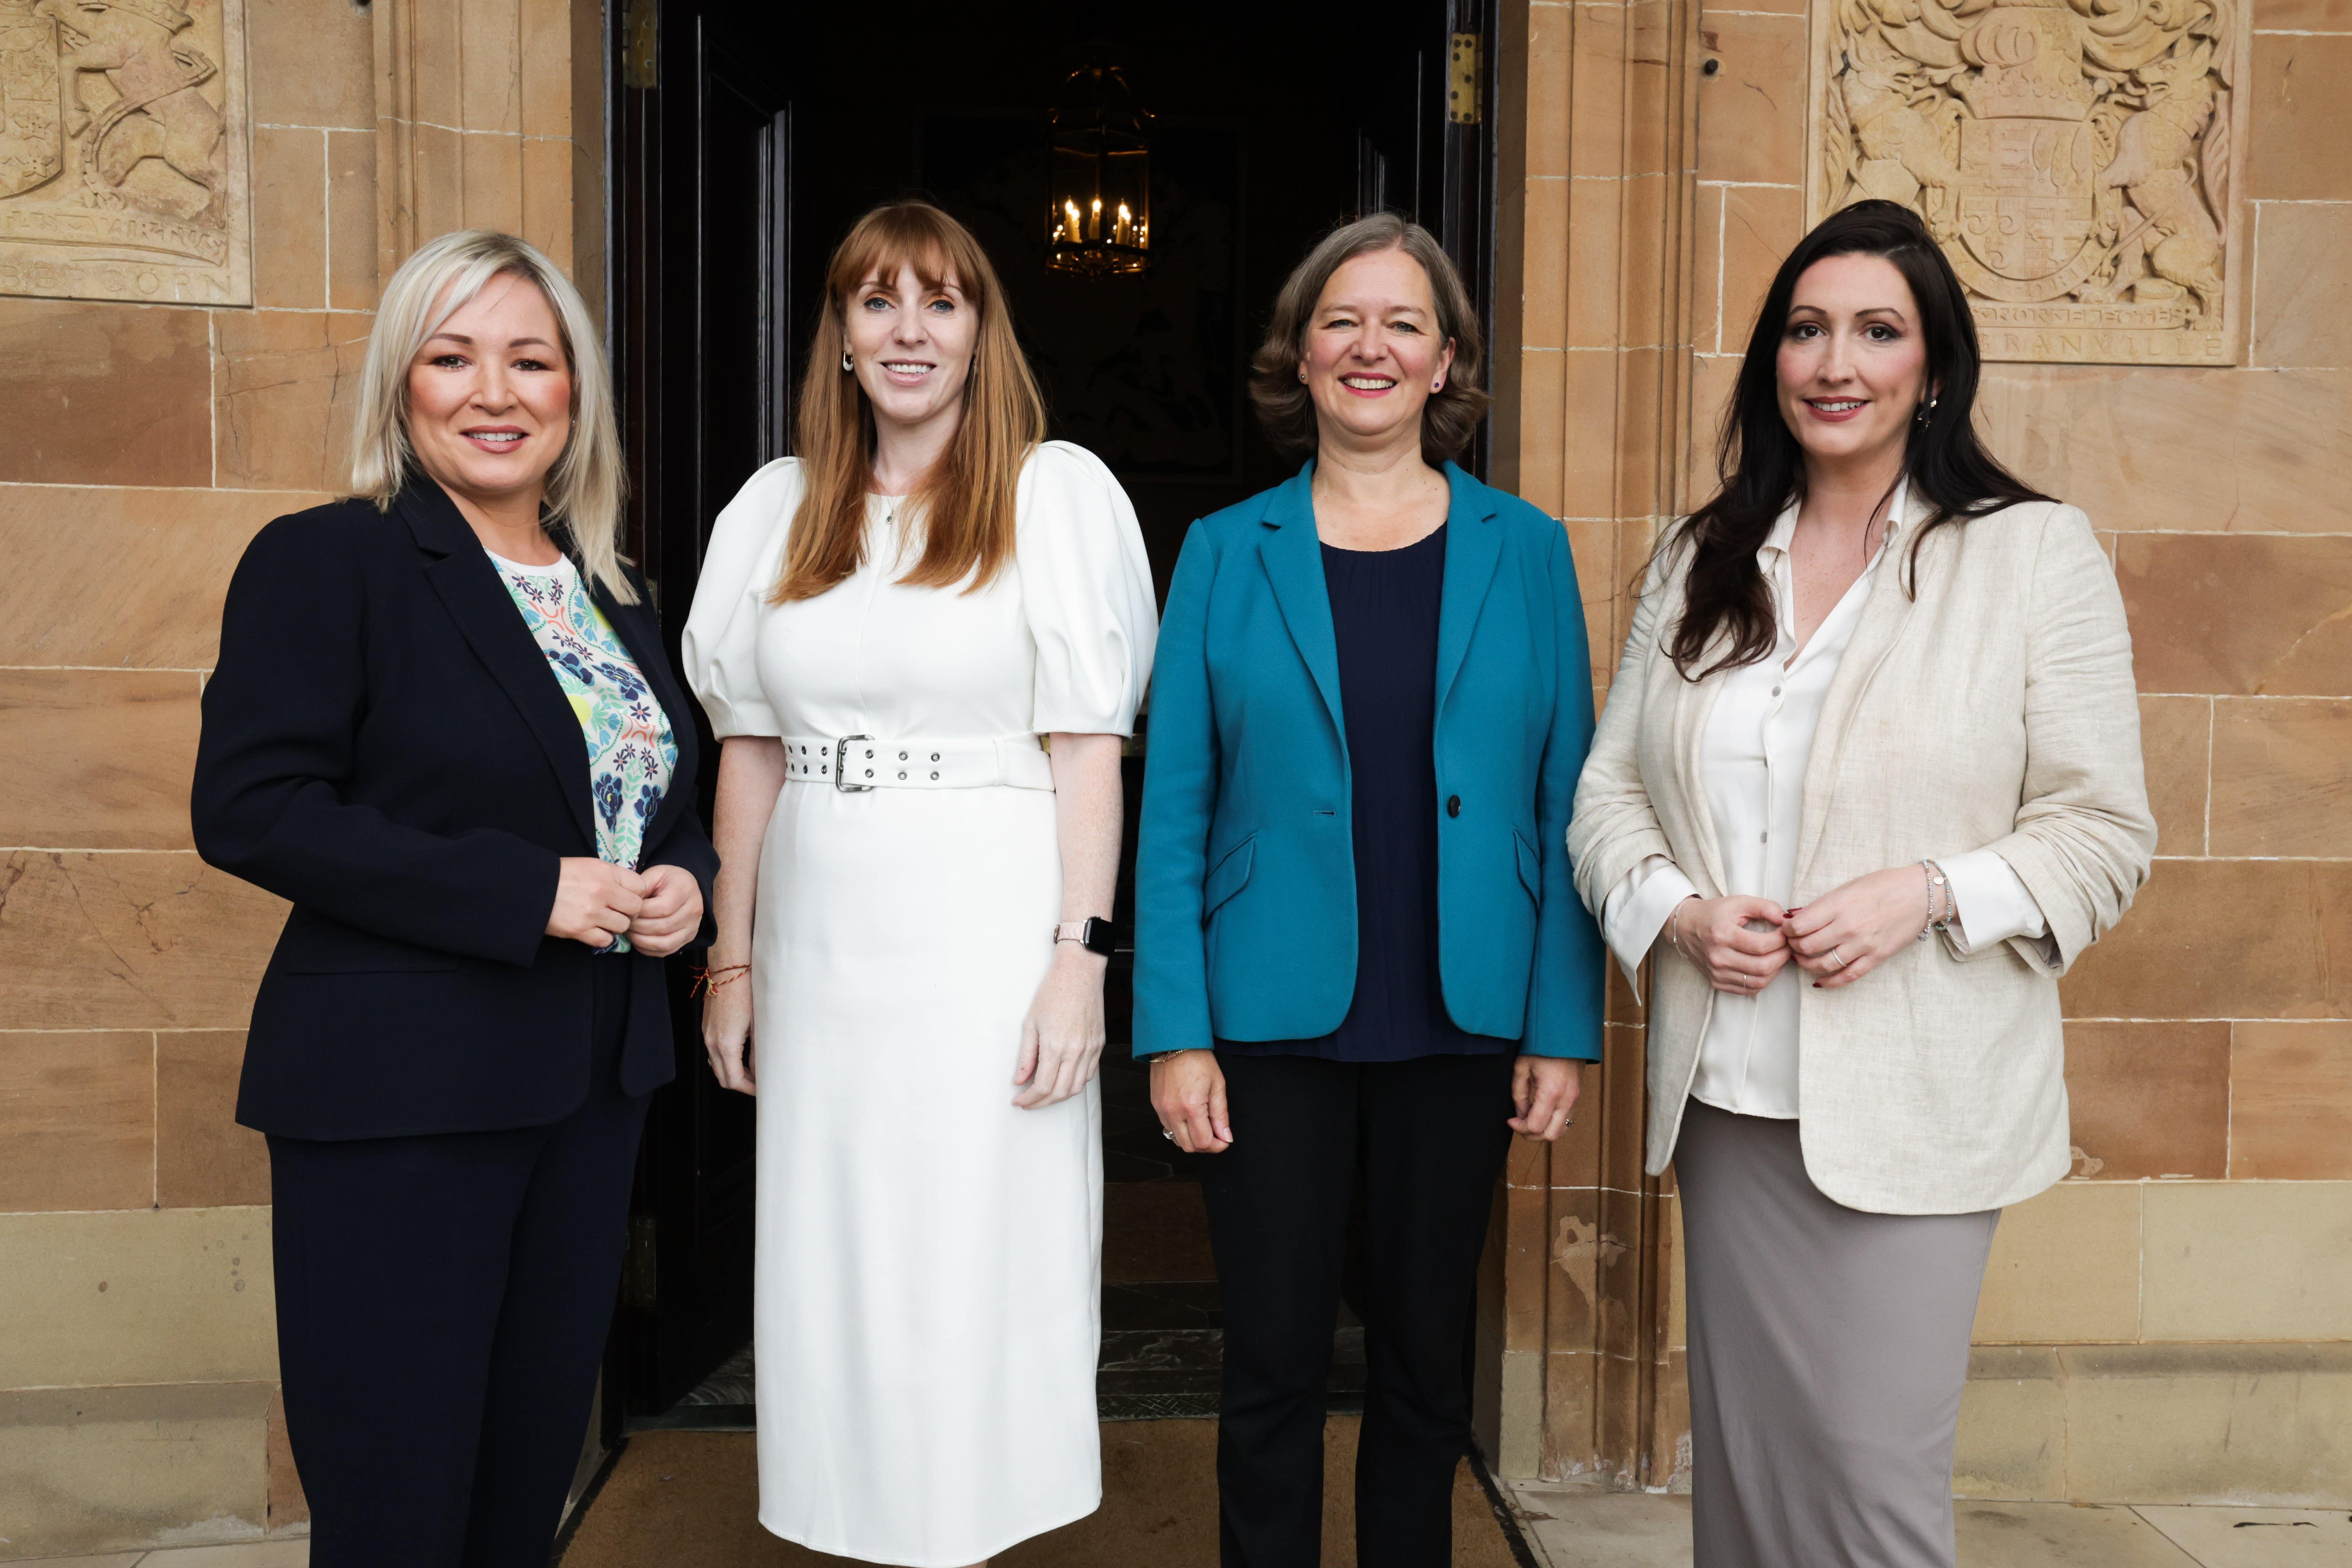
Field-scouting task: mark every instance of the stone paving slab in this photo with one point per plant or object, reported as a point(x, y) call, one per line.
point(2258, 1537)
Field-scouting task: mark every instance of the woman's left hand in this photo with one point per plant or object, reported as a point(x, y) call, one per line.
point(1062, 1038)
point(672, 912)
point(1851, 930)
point(1545, 1089)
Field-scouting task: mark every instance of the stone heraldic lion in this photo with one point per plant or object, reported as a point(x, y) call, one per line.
point(158, 113)
point(2155, 166)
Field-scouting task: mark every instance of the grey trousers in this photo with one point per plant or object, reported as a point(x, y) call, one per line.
point(1828, 1349)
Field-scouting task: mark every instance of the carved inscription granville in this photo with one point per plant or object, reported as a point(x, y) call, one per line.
point(2075, 159)
point(122, 165)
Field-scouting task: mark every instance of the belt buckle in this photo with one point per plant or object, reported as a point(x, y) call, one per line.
point(840, 766)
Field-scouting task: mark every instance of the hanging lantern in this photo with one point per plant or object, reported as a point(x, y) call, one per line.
point(1100, 174)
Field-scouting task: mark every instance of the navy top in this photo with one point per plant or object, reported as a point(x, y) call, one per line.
point(1384, 606)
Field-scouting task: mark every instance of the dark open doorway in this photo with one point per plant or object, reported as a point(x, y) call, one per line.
point(746, 136)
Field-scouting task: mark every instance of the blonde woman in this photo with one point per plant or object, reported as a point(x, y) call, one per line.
point(911, 938)
point(443, 727)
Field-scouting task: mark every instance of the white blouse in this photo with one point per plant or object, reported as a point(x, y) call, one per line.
point(1752, 759)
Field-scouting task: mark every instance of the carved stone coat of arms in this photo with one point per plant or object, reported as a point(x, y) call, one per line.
point(122, 151)
point(2076, 159)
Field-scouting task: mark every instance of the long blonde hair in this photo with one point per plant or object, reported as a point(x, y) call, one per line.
point(587, 482)
point(967, 502)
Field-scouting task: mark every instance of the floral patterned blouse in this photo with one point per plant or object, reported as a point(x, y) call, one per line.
point(630, 749)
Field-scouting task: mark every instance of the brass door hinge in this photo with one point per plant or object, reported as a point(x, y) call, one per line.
point(641, 44)
point(1462, 74)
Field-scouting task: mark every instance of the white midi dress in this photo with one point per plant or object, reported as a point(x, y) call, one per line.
point(926, 1305)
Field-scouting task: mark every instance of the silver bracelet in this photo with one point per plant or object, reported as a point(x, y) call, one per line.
point(1939, 889)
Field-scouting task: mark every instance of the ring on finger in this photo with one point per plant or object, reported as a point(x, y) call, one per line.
point(1839, 957)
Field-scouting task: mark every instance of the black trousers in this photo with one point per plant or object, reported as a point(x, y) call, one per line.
point(1422, 1143)
point(442, 1306)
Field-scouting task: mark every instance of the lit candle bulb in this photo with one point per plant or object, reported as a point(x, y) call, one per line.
point(1124, 233)
point(1077, 231)
point(1094, 230)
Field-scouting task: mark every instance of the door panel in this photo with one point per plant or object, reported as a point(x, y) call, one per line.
point(701, 177)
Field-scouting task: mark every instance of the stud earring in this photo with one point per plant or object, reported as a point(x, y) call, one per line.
point(845, 360)
point(1927, 412)
point(1302, 376)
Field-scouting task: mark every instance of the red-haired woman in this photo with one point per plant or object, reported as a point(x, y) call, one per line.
point(912, 908)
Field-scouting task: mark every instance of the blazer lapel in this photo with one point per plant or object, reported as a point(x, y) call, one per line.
point(640, 633)
point(1294, 565)
point(1693, 701)
point(1884, 614)
point(461, 574)
point(1473, 545)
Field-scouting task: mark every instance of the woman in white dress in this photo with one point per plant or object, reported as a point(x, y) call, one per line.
point(914, 891)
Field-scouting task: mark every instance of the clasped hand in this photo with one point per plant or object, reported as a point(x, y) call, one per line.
point(1741, 943)
point(658, 909)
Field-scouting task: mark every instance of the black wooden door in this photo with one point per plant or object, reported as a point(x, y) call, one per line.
point(701, 167)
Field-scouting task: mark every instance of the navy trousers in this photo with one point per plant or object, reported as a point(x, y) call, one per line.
point(442, 1308)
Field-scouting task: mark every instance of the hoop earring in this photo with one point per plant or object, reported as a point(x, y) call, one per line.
point(846, 366)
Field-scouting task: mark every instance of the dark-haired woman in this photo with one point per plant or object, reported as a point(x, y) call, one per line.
point(917, 893)
point(1360, 962)
point(1868, 783)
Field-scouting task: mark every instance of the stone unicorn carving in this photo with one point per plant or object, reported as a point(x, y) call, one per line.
point(2156, 166)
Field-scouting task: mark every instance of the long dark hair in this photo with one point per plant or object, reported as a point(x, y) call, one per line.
point(1762, 468)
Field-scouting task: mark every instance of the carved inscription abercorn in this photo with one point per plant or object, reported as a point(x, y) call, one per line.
point(122, 151)
point(2076, 159)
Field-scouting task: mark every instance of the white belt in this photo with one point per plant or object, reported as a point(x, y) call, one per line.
point(852, 764)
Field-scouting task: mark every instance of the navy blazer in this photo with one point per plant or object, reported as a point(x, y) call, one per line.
point(385, 747)
point(1245, 879)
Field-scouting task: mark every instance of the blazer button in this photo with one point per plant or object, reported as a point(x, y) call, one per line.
point(1453, 805)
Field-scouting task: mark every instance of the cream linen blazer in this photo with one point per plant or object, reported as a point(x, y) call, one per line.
point(1994, 710)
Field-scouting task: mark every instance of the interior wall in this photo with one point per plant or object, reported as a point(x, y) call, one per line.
point(141, 447)
point(2174, 1323)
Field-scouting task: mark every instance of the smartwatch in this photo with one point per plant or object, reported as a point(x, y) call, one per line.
point(1093, 934)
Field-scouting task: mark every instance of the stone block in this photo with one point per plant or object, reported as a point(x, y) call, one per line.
point(104, 395)
point(1571, 1407)
point(2224, 939)
point(1761, 226)
point(2193, 450)
point(2283, 777)
point(97, 1469)
point(2012, 1437)
point(130, 941)
point(2176, 745)
point(1574, 1248)
point(2301, 99)
point(289, 1509)
point(287, 383)
point(203, 1158)
point(2058, 1535)
point(289, 212)
point(2303, 284)
point(136, 1297)
point(2260, 1425)
point(2291, 1102)
point(2149, 1098)
point(1543, 419)
point(491, 88)
point(2304, 16)
point(351, 253)
point(544, 68)
point(1596, 102)
point(1550, 38)
point(2248, 1260)
point(2065, 1266)
point(123, 578)
point(98, 758)
point(549, 219)
point(76, 1120)
point(1551, 264)
point(1751, 113)
point(491, 170)
point(312, 64)
point(1594, 212)
point(2253, 616)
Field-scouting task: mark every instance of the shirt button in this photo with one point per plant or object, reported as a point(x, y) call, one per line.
point(1776, 691)
point(1763, 838)
point(1454, 806)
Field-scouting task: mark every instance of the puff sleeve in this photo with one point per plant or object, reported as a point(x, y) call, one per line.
point(1086, 592)
point(720, 645)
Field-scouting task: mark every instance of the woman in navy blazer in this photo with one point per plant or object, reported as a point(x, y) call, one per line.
point(443, 726)
point(1359, 956)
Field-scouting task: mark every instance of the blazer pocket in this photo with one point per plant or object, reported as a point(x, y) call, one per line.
point(1530, 866)
point(1228, 876)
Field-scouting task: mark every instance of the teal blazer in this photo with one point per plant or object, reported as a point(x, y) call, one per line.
point(1245, 880)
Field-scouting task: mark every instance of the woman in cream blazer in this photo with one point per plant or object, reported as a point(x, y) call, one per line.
point(1868, 782)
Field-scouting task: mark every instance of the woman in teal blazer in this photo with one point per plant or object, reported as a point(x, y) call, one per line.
point(1359, 958)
